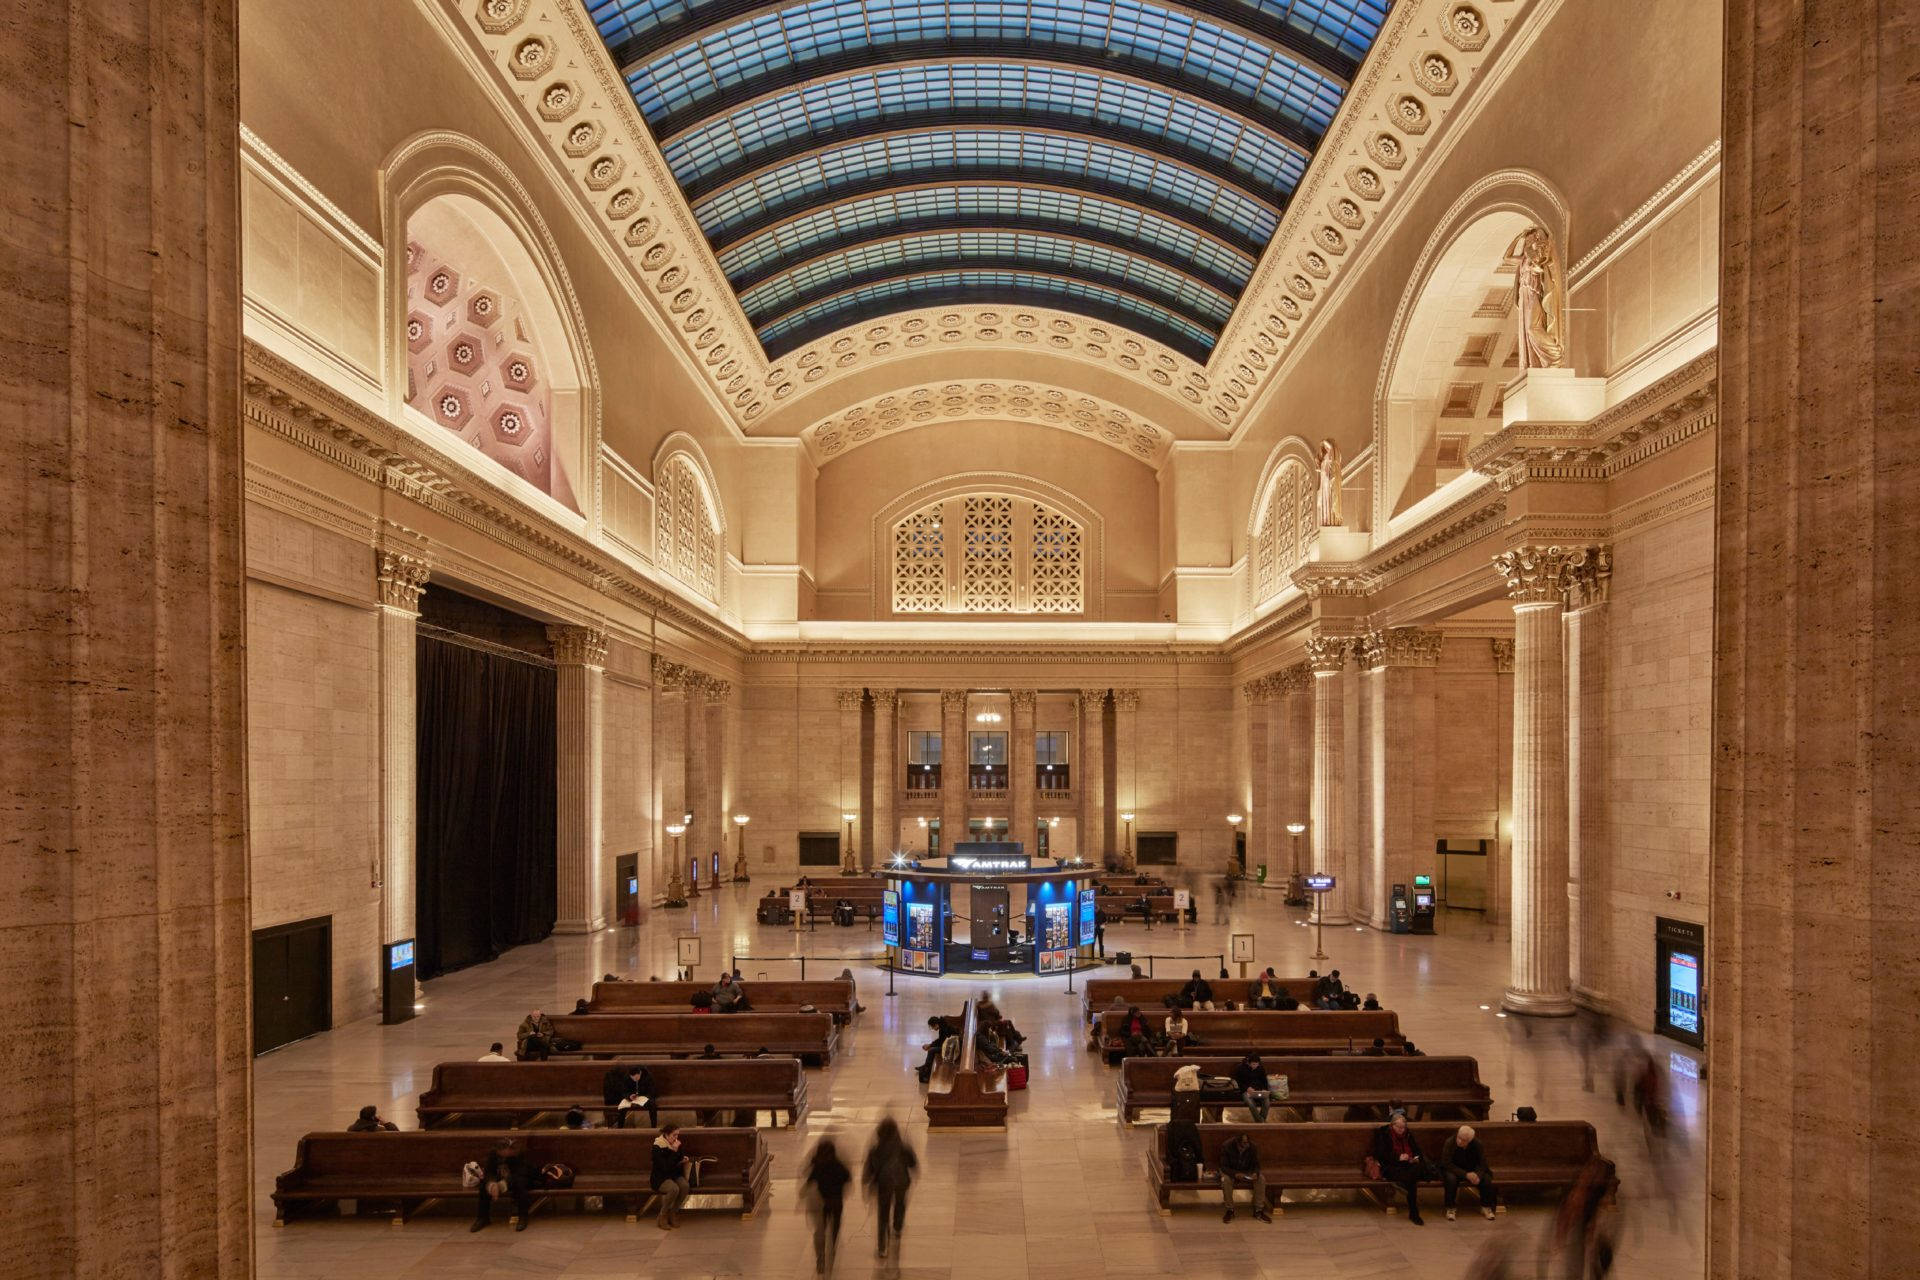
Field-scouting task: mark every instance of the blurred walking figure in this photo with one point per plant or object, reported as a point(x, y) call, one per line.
point(1584, 1231)
point(887, 1175)
point(824, 1190)
point(1495, 1261)
point(1595, 1035)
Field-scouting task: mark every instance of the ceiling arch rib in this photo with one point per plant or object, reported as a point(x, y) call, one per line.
point(960, 285)
point(963, 158)
point(1170, 134)
point(895, 213)
point(1103, 264)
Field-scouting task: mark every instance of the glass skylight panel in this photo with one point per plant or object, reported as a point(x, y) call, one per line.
point(1037, 157)
point(1072, 295)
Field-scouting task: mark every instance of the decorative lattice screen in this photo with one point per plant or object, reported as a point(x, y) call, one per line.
point(1005, 555)
point(1286, 530)
point(686, 537)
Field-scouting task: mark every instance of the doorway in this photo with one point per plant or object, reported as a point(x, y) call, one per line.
point(292, 982)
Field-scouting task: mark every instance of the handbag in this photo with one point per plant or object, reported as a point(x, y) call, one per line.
point(472, 1175)
point(1371, 1168)
point(556, 1175)
point(1279, 1089)
point(1016, 1078)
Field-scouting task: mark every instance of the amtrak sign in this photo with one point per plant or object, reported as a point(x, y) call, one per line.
point(981, 862)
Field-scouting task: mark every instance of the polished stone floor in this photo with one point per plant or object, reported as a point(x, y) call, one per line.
point(1061, 1194)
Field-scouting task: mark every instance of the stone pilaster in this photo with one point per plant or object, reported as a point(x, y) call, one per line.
point(709, 803)
point(1262, 843)
point(719, 704)
point(124, 930)
point(851, 702)
point(1589, 829)
point(671, 694)
point(1399, 664)
point(1126, 766)
point(1327, 658)
point(1022, 785)
point(1539, 980)
point(953, 768)
point(1500, 872)
point(402, 579)
point(888, 768)
point(1292, 788)
point(1090, 778)
point(699, 782)
point(1812, 971)
point(580, 663)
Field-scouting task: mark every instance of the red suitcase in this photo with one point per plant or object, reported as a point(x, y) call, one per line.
point(1016, 1078)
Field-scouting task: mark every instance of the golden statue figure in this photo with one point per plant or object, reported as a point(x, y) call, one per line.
point(1537, 288)
point(1329, 504)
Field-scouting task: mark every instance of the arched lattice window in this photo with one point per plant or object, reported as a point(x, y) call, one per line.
point(687, 536)
point(1286, 530)
point(1006, 555)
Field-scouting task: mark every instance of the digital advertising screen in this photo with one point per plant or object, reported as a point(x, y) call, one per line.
point(1056, 926)
point(401, 955)
point(920, 932)
point(1683, 992)
point(1087, 909)
point(890, 917)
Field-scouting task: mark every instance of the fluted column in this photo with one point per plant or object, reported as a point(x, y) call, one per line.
point(850, 702)
point(580, 663)
point(1538, 981)
point(1327, 657)
point(124, 925)
point(1261, 842)
point(402, 578)
point(699, 781)
point(1500, 873)
point(1020, 764)
point(1292, 788)
point(1589, 830)
point(953, 768)
point(1126, 767)
point(1090, 777)
point(709, 804)
point(670, 693)
point(887, 770)
point(1399, 662)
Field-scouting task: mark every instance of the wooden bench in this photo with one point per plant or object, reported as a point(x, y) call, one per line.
point(966, 1093)
point(1151, 993)
point(414, 1170)
point(1116, 907)
point(1117, 885)
point(1429, 1088)
point(512, 1094)
point(810, 1036)
point(1548, 1155)
point(865, 895)
point(833, 995)
point(1280, 1033)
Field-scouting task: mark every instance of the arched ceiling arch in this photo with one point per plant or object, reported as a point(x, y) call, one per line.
point(982, 399)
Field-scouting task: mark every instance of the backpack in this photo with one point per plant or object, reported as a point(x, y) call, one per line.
point(556, 1175)
point(1183, 1161)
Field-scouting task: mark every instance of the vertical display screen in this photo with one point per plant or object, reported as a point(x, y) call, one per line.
point(1056, 926)
point(920, 926)
point(1683, 992)
point(890, 917)
point(1087, 909)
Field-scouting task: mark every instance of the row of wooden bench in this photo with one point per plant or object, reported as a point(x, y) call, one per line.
point(1433, 1088)
point(811, 1037)
point(1150, 994)
point(1276, 1033)
point(829, 995)
point(513, 1094)
point(405, 1173)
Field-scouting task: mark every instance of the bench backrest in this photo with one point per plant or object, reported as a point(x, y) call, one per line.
point(435, 1153)
point(1148, 993)
point(830, 995)
point(672, 1078)
point(1320, 1076)
point(824, 893)
point(1272, 1026)
point(678, 1032)
point(1506, 1143)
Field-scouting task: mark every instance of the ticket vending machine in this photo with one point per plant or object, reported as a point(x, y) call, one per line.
point(396, 981)
point(1423, 904)
point(1680, 965)
point(1400, 910)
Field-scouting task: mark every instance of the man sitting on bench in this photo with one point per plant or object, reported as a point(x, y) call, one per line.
point(1401, 1161)
point(729, 996)
point(1465, 1162)
point(1197, 993)
point(1264, 991)
point(1240, 1164)
point(629, 1087)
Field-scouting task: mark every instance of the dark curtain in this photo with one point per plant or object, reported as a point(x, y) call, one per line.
point(484, 852)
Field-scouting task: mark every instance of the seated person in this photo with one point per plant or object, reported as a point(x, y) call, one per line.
point(993, 1049)
point(1136, 1033)
point(493, 1054)
point(627, 1089)
point(1240, 1166)
point(1197, 993)
point(1264, 991)
point(709, 1054)
point(943, 1029)
point(504, 1173)
point(984, 1006)
point(1286, 1001)
point(1464, 1162)
point(1401, 1161)
point(582, 1006)
point(1371, 1004)
point(534, 1040)
point(577, 1119)
point(1175, 1030)
point(1378, 1049)
point(1250, 1078)
point(729, 996)
point(370, 1122)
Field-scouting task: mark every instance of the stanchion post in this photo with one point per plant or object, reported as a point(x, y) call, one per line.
point(889, 971)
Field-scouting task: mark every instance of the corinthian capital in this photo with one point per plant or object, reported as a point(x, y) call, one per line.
point(1327, 655)
point(884, 700)
point(1589, 576)
point(1502, 656)
point(1534, 574)
point(668, 676)
point(1126, 699)
point(848, 699)
point(402, 579)
point(578, 646)
point(1093, 699)
point(953, 699)
point(1400, 647)
point(714, 689)
point(1024, 699)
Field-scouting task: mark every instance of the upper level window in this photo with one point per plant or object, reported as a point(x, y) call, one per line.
point(1286, 530)
point(686, 535)
point(923, 747)
point(988, 553)
point(1050, 748)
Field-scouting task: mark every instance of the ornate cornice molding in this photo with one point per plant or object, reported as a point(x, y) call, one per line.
point(402, 578)
point(1659, 417)
point(578, 646)
point(1400, 647)
point(968, 399)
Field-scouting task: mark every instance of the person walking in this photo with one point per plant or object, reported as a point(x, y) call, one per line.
point(887, 1175)
point(825, 1191)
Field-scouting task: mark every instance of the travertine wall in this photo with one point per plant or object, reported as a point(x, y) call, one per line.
point(1660, 702)
point(313, 777)
point(626, 802)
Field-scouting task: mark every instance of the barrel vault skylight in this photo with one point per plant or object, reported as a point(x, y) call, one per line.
point(1125, 160)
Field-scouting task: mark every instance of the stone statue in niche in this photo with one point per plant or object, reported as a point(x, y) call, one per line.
point(1537, 291)
point(1330, 485)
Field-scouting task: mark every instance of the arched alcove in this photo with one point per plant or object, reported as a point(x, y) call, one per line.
point(1283, 520)
point(690, 530)
point(1452, 353)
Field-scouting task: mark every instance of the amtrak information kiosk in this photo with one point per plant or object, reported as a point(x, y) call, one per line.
point(988, 908)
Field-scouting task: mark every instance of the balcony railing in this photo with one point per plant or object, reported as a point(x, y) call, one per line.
point(923, 779)
point(987, 777)
point(1053, 777)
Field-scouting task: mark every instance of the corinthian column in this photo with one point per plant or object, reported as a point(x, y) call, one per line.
point(1020, 763)
point(953, 769)
point(580, 663)
point(886, 773)
point(1291, 789)
point(1589, 832)
point(1539, 978)
point(670, 685)
point(1400, 663)
point(1327, 656)
point(402, 578)
point(1126, 766)
point(1263, 843)
point(1090, 778)
point(850, 701)
point(708, 835)
point(125, 918)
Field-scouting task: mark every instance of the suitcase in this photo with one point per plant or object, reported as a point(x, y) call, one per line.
point(1016, 1077)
